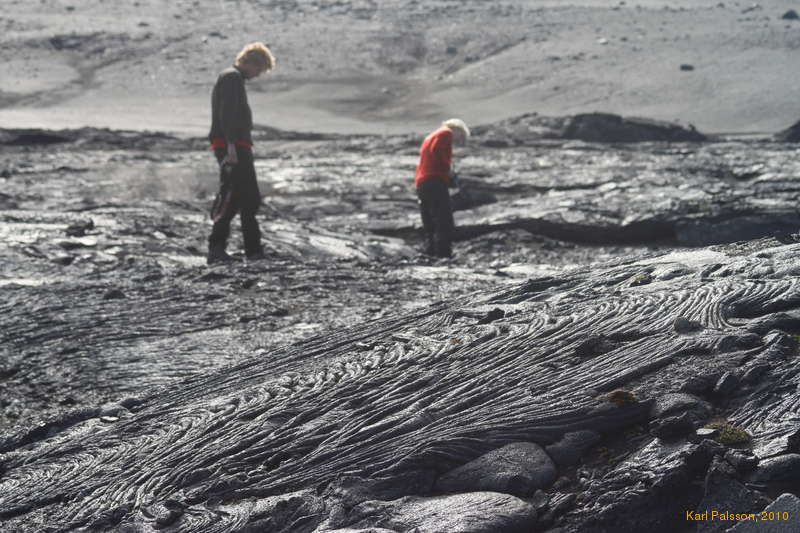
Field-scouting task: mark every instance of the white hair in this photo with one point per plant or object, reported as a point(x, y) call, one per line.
point(457, 124)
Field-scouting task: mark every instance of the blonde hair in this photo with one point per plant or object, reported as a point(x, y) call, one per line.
point(258, 55)
point(457, 124)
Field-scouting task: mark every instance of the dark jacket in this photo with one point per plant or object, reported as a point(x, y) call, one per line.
point(231, 118)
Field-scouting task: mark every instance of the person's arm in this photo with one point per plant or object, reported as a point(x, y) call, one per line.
point(444, 150)
point(454, 178)
point(231, 102)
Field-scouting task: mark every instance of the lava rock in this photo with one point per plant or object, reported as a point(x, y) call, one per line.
point(595, 345)
point(788, 321)
point(727, 384)
point(724, 493)
point(781, 468)
point(107, 519)
point(32, 137)
point(84, 242)
point(605, 127)
point(701, 384)
point(743, 461)
point(672, 427)
point(524, 129)
point(686, 67)
point(304, 413)
point(496, 142)
point(353, 490)
point(620, 499)
point(780, 346)
point(785, 503)
point(790, 15)
point(755, 373)
point(684, 325)
point(114, 294)
point(519, 469)
point(469, 196)
point(367, 530)
point(167, 513)
point(561, 503)
point(793, 441)
point(676, 403)
point(791, 134)
point(491, 316)
point(569, 450)
point(540, 501)
point(699, 456)
point(736, 342)
point(698, 232)
point(561, 483)
point(79, 229)
point(475, 512)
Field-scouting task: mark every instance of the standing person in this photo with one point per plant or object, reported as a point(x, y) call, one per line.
point(230, 136)
point(434, 175)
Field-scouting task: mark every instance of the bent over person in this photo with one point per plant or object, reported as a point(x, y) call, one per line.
point(230, 136)
point(434, 175)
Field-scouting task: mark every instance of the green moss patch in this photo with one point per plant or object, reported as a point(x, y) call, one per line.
point(730, 435)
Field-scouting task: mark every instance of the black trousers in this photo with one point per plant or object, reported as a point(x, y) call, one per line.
point(437, 217)
point(238, 193)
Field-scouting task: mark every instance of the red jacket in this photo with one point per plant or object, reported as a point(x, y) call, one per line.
point(435, 157)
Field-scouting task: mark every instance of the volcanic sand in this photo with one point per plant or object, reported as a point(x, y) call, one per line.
point(400, 66)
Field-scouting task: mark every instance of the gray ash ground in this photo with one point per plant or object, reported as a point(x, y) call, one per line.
point(108, 307)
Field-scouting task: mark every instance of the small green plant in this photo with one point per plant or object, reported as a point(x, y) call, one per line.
point(730, 435)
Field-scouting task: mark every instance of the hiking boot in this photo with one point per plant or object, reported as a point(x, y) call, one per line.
point(430, 245)
point(217, 254)
point(256, 255)
point(444, 251)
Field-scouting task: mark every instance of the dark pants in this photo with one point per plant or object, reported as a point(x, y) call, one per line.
point(437, 217)
point(238, 193)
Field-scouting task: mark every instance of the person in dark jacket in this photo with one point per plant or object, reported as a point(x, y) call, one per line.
point(434, 175)
point(230, 136)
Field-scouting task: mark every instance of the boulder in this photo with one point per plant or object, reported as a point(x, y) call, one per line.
point(678, 403)
point(790, 15)
point(571, 447)
point(520, 469)
point(781, 468)
point(742, 460)
point(672, 427)
point(607, 128)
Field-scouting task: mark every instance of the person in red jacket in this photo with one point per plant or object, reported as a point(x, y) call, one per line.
point(230, 136)
point(434, 175)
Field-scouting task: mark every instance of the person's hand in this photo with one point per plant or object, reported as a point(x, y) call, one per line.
point(231, 158)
